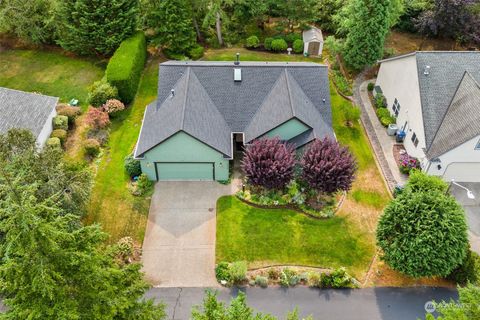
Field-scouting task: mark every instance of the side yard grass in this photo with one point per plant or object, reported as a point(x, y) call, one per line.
point(120, 213)
point(50, 73)
point(270, 236)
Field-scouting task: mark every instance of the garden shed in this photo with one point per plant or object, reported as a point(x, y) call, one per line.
point(313, 42)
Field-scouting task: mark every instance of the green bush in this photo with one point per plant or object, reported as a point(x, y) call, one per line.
point(252, 42)
point(60, 122)
point(343, 85)
point(70, 112)
point(273, 274)
point(196, 52)
point(292, 37)
point(261, 281)
point(238, 271)
point(132, 166)
point(125, 67)
point(267, 43)
point(314, 279)
point(289, 278)
point(60, 134)
point(385, 121)
point(279, 45)
point(91, 147)
point(222, 272)
point(380, 101)
point(54, 143)
point(298, 46)
point(382, 112)
point(144, 185)
point(468, 271)
point(419, 181)
point(101, 91)
point(338, 278)
point(370, 86)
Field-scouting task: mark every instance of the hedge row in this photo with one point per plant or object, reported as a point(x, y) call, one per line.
point(125, 67)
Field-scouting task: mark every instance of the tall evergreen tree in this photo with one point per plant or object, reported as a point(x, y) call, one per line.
point(172, 22)
point(367, 29)
point(96, 26)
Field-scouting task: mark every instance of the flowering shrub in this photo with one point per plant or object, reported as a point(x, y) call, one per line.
point(112, 106)
point(97, 119)
point(408, 163)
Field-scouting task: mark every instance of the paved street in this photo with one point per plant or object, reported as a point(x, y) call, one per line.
point(340, 304)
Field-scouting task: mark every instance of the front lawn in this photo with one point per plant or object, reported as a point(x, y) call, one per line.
point(119, 212)
point(50, 73)
point(276, 236)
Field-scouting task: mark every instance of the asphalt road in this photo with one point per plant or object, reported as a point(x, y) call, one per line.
point(326, 304)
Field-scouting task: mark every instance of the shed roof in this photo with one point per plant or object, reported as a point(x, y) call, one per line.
point(209, 105)
point(24, 110)
point(313, 34)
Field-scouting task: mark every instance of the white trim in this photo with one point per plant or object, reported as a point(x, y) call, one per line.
point(139, 135)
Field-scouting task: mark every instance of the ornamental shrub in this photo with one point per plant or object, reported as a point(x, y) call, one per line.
point(60, 134)
point(338, 278)
point(222, 271)
point(419, 181)
point(423, 233)
point(54, 143)
point(279, 45)
point(327, 166)
point(382, 112)
point(70, 112)
point(298, 46)
point(126, 66)
point(292, 37)
point(60, 122)
point(144, 185)
point(252, 42)
point(314, 279)
point(370, 86)
point(196, 52)
point(97, 119)
point(238, 271)
point(91, 147)
point(261, 281)
point(269, 163)
point(132, 166)
point(289, 278)
point(267, 43)
point(385, 121)
point(380, 101)
point(408, 163)
point(101, 91)
point(112, 106)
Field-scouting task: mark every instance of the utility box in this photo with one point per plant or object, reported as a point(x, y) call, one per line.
point(392, 129)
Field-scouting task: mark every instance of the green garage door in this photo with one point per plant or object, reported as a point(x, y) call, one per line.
point(184, 171)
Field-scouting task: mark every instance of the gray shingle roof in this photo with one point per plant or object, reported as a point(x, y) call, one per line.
point(209, 105)
point(313, 34)
point(24, 110)
point(461, 121)
point(439, 86)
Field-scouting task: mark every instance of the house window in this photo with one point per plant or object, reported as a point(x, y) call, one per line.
point(396, 107)
point(477, 147)
point(415, 139)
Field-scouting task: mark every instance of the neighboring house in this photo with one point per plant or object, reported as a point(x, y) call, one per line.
point(313, 42)
point(206, 111)
point(26, 110)
point(435, 97)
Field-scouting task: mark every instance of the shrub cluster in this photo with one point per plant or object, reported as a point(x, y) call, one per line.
point(338, 278)
point(97, 119)
point(408, 163)
point(126, 65)
point(252, 42)
point(70, 112)
point(101, 91)
point(231, 273)
point(385, 117)
point(54, 143)
point(142, 186)
point(60, 134)
point(279, 45)
point(112, 106)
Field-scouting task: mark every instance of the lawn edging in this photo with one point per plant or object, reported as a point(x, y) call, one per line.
point(294, 207)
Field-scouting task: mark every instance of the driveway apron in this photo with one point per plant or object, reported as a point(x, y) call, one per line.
point(179, 244)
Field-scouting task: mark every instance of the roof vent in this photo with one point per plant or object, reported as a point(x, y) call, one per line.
point(237, 75)
point(172, 93)
point(426, 70)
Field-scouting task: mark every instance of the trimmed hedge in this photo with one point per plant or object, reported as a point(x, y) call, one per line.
point(60, 122)
point(60, 134)
point(298, 46)
point(279, 45)
point(126, 66)
point(252, 42)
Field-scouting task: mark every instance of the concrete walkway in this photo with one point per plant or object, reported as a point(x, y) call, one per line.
point(381, 142)
point(179, 244)
point(338, 304)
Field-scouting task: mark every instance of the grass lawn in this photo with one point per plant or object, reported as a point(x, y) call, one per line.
point(350, 235)
point(264, 237)
point(112, 205)
point(50, 73)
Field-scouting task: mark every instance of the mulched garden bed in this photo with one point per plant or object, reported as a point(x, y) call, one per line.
point(398, 150)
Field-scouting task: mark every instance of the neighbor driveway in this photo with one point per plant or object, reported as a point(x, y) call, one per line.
point(179, 244)
point(472, 211)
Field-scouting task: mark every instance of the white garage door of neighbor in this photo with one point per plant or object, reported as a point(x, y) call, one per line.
point(176, 171)
point(463, 172)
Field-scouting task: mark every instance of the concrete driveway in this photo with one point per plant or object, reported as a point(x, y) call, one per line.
point(179, 244)
point(472, 211)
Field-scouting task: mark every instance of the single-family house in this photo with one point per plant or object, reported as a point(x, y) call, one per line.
point(25, 110)
point(312, 41)
point(206, 111)
point(435, 97)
